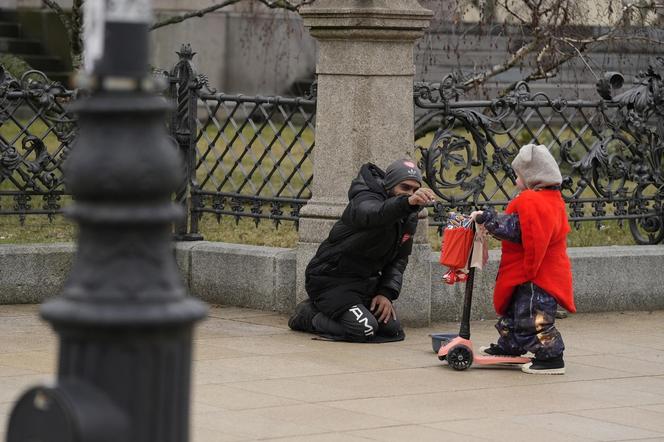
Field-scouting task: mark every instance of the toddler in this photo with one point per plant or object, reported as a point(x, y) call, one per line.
point(534, 275)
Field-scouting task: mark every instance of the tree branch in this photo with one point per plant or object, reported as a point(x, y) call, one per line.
point(518, 56)
point(77, 33)
point(545, 21)
point(285, 4)
point(506, 6)
point(198, 13)
point(607, 38)
point(545, 72)
point(539, 74)
point(60, 13)
point(273, 4)
point(53, 5)
point(72, 26)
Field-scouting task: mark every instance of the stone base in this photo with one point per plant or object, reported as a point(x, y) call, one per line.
point(414, 303)
point(236, 274)
point(304, 252)
point(265, 278)
point(32, 273)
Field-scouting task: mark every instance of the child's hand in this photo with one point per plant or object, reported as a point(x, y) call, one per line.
point(475, 214)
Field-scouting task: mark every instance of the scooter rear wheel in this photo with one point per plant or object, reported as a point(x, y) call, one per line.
point(460, 357)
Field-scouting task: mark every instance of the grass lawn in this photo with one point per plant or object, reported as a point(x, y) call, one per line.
point(37, 229)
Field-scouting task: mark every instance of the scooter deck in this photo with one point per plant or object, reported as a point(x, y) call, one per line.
point(478, 358)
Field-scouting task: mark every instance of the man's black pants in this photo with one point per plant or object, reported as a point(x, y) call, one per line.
point(356, 324)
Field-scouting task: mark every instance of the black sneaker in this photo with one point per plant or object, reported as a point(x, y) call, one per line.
point(496, 350)
point(545, 366)
point(301, 319)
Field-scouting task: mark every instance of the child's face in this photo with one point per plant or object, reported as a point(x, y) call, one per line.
point(519, 183)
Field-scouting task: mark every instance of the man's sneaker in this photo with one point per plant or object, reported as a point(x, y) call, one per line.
point(496, 350)
point(301, 319)
point(545, 366)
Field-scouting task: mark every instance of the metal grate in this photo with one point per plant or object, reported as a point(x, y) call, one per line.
point(610, 151)
point(248, 157)
point(36, 134)
point(253, 156)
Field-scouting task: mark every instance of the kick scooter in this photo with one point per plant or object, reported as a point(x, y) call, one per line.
point(457, 350)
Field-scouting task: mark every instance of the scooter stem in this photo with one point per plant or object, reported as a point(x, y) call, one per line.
point(464, 330)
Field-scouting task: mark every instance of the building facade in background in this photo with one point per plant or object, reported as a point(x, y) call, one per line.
point(250, 49)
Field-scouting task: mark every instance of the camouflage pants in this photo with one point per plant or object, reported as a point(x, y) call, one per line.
point(528, 325)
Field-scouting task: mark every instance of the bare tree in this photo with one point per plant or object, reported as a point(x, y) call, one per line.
point(73, 22)
point(272, 4)
point(552, 32)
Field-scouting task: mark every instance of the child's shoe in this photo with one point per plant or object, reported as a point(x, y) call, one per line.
point(545, 366)
point(496, 350)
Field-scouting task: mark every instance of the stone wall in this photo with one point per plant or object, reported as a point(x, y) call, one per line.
point(613, 278)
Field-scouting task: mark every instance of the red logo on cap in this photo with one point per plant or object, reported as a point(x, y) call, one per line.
point(409, 164)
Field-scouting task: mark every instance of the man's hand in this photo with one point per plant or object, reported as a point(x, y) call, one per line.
point(422, 197)
point(382, 308)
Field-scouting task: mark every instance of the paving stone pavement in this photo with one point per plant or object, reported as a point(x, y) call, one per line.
point(254, 379)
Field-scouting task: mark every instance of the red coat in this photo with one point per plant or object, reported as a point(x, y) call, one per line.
point(542, 255)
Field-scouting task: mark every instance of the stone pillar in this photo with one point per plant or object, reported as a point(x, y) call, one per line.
point(364, 114)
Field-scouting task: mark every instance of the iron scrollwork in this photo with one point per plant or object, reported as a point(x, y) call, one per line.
point(32, 111)
point(611, 151)
point(454, 161)
point(249, 157)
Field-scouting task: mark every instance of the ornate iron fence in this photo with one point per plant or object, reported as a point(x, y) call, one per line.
point(36, 134)
point(245, 156)
point(250, 157)
point(610, 151)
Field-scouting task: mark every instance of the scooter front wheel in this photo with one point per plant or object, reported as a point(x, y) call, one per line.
point(460, 357)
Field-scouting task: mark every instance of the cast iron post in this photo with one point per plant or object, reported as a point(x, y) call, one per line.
point(124, 319)
point(183, 129)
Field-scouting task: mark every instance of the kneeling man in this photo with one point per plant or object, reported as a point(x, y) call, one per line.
point(358, 270)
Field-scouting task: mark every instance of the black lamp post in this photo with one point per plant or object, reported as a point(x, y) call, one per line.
point(124, 319)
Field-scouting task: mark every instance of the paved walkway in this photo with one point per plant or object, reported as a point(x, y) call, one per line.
point(255, 379)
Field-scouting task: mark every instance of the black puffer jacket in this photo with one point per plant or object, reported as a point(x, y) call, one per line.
point(371, 243)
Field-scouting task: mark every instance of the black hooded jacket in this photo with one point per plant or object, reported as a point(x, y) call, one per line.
point(370, 243)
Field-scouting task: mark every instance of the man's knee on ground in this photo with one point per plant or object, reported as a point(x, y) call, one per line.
point(391, 329)
point(360, 323)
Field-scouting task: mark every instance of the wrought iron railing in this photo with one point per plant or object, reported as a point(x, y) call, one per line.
point(250, 157)
point(610, 151)
point(36, 134)
point(246, 156)
point(243, 156)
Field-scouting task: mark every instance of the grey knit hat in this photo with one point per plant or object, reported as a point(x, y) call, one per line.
point(401, 170)
point(537, 167)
